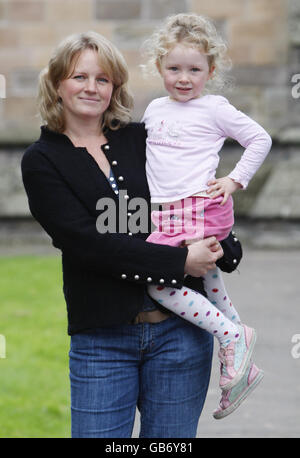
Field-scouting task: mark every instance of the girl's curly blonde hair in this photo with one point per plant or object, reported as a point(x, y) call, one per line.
point(61, 66)
point(194, 30)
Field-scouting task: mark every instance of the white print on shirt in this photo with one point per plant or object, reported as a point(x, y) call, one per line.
point(165, 133)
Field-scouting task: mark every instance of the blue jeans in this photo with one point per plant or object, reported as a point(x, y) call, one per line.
point(162, 368)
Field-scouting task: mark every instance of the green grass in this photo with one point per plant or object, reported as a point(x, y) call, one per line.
point(34, 375)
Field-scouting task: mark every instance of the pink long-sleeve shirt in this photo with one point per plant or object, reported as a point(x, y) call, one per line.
point(184, 141)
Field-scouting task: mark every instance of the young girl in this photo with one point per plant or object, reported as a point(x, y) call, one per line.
point(186, 130)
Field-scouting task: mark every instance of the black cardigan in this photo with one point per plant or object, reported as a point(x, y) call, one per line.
point(104, 275)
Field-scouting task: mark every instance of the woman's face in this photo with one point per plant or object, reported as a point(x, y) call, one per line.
point(86, 93)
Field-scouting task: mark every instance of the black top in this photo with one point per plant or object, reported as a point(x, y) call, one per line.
point(149, 304)
point(104, 274)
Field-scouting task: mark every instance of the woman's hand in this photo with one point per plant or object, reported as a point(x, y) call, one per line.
point(202, 257)
point(222, 186)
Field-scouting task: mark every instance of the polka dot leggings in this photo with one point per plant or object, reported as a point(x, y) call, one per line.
point(216, 313)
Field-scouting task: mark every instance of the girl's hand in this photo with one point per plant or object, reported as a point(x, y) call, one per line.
point(222, 186)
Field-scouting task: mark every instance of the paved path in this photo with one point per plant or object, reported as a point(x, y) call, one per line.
point(266, 293)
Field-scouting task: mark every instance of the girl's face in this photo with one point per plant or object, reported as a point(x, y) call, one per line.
point(86, 93)
point(185, 71)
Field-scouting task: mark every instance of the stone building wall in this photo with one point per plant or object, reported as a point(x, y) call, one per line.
point(263, 38)
point(264, 42)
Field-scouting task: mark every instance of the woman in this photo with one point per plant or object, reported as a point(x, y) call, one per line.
point(126, 351)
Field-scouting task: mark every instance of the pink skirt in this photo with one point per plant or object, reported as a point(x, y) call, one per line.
point(193, 218)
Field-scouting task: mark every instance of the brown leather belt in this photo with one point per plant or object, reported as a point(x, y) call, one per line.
point(153, 316)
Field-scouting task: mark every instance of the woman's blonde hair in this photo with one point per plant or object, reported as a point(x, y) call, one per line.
point(61, 66)
point(192, 30)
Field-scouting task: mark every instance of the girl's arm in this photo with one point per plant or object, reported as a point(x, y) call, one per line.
point(73, 230)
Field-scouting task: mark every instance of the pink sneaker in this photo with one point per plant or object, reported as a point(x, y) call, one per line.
point(231, 399)
point(235, 357)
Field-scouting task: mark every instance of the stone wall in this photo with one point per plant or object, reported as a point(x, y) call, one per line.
point(263, 38)
point(264, 42)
